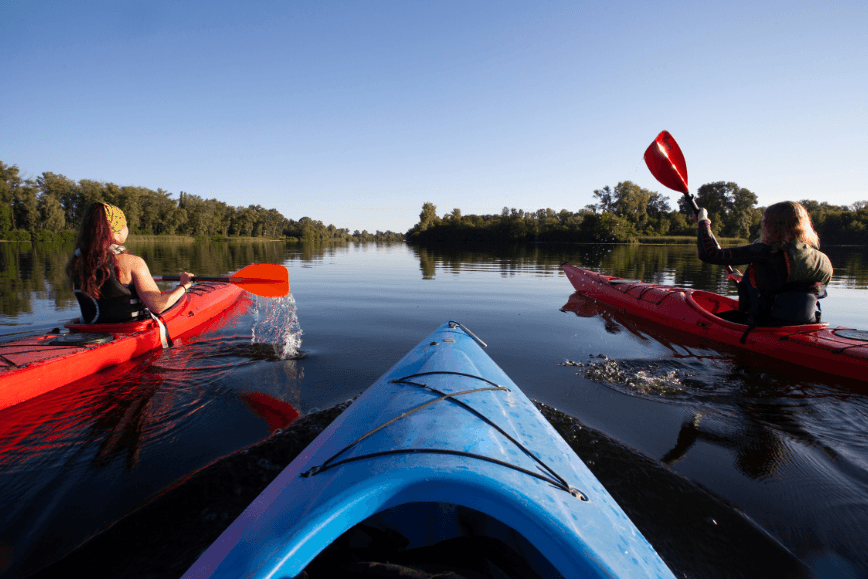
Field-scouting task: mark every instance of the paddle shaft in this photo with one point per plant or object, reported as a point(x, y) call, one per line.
point(731, 273)
point(263, 279)
point(229, 278)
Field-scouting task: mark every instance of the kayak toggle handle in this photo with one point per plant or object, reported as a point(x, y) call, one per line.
point(311, 471)
point(453, 324)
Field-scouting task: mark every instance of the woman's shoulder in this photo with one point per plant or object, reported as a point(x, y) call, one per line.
point(131, 262)
point(800, 246)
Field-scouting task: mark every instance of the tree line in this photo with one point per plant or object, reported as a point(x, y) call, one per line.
point(52, 206)
point(628, 213)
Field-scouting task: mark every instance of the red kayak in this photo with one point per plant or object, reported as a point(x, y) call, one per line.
point(38, 364)
point(839, 351)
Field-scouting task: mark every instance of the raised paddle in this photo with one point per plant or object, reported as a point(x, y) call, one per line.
point(263, 279)
point(666, 162)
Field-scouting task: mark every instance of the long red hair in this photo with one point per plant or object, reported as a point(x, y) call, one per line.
point(88, 268)
point(788, 222)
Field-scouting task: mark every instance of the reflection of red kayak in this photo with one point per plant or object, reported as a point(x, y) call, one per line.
point(840, 351)
point(277, 413)
point(615, 319)
point(38, 364)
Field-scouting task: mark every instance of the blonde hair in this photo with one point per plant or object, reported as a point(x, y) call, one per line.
point(788, 222)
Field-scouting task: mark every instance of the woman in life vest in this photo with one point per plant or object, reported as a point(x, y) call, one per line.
point(787, 272)
point(112, 285)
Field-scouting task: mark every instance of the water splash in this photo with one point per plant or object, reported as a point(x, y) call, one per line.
point(651, 380)
point(276, 324)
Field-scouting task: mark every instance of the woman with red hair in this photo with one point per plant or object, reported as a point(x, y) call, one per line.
point(111, 284)
point(787, 272)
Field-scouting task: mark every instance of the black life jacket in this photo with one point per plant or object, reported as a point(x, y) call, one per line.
point(117, 303)
point(792, 302)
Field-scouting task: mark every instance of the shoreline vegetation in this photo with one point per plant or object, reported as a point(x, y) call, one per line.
point(631, 214)
point(49, 209)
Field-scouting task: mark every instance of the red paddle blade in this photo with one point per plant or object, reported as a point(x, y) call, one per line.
point(263, 279)
point(666, 162)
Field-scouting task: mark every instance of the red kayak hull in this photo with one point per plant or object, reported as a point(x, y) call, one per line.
point(697, 312)
point(33, 366)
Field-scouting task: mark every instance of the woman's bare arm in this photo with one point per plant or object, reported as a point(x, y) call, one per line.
point(155, 300)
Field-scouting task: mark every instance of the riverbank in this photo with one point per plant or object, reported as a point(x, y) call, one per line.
point(650, 240)
point(137, 238)
point(686, 240)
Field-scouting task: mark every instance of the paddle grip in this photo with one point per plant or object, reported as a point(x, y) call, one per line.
point(692, 200)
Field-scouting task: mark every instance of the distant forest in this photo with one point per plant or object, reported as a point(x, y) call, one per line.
point(51, 207)
point(629, 213)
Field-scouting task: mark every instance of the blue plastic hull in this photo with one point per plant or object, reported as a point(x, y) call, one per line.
point(415, 472)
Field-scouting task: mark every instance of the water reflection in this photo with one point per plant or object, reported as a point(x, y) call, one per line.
point(680, 344)
point(31, 273)
point(662, 264)
point(733, 405)
point(114, 439)
point(758, 449)
point(681, 519)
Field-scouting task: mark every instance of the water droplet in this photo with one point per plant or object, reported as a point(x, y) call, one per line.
point(276, 324)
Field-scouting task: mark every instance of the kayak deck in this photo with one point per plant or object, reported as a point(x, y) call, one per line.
point(443, 450)
point(840, 351)
point(35, 365)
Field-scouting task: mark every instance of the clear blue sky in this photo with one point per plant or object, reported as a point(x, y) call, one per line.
point(357, 112)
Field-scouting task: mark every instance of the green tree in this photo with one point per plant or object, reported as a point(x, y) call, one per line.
point(606, 200)
point(199, 214)
point(729, 206)
point(631, 203)
point(10, 180)
point(25, 213)
point(51, 214)
point(428, 216)
point(742, 211)
point(65, 190)
point(129, 199)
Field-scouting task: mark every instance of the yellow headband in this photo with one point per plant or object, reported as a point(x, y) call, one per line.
point(116, 219)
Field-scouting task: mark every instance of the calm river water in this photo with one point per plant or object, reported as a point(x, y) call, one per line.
point(721, 456)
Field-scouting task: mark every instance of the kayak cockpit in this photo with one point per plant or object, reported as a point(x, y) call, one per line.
point(431, 539)
point(726, 309)
point(712, 303)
